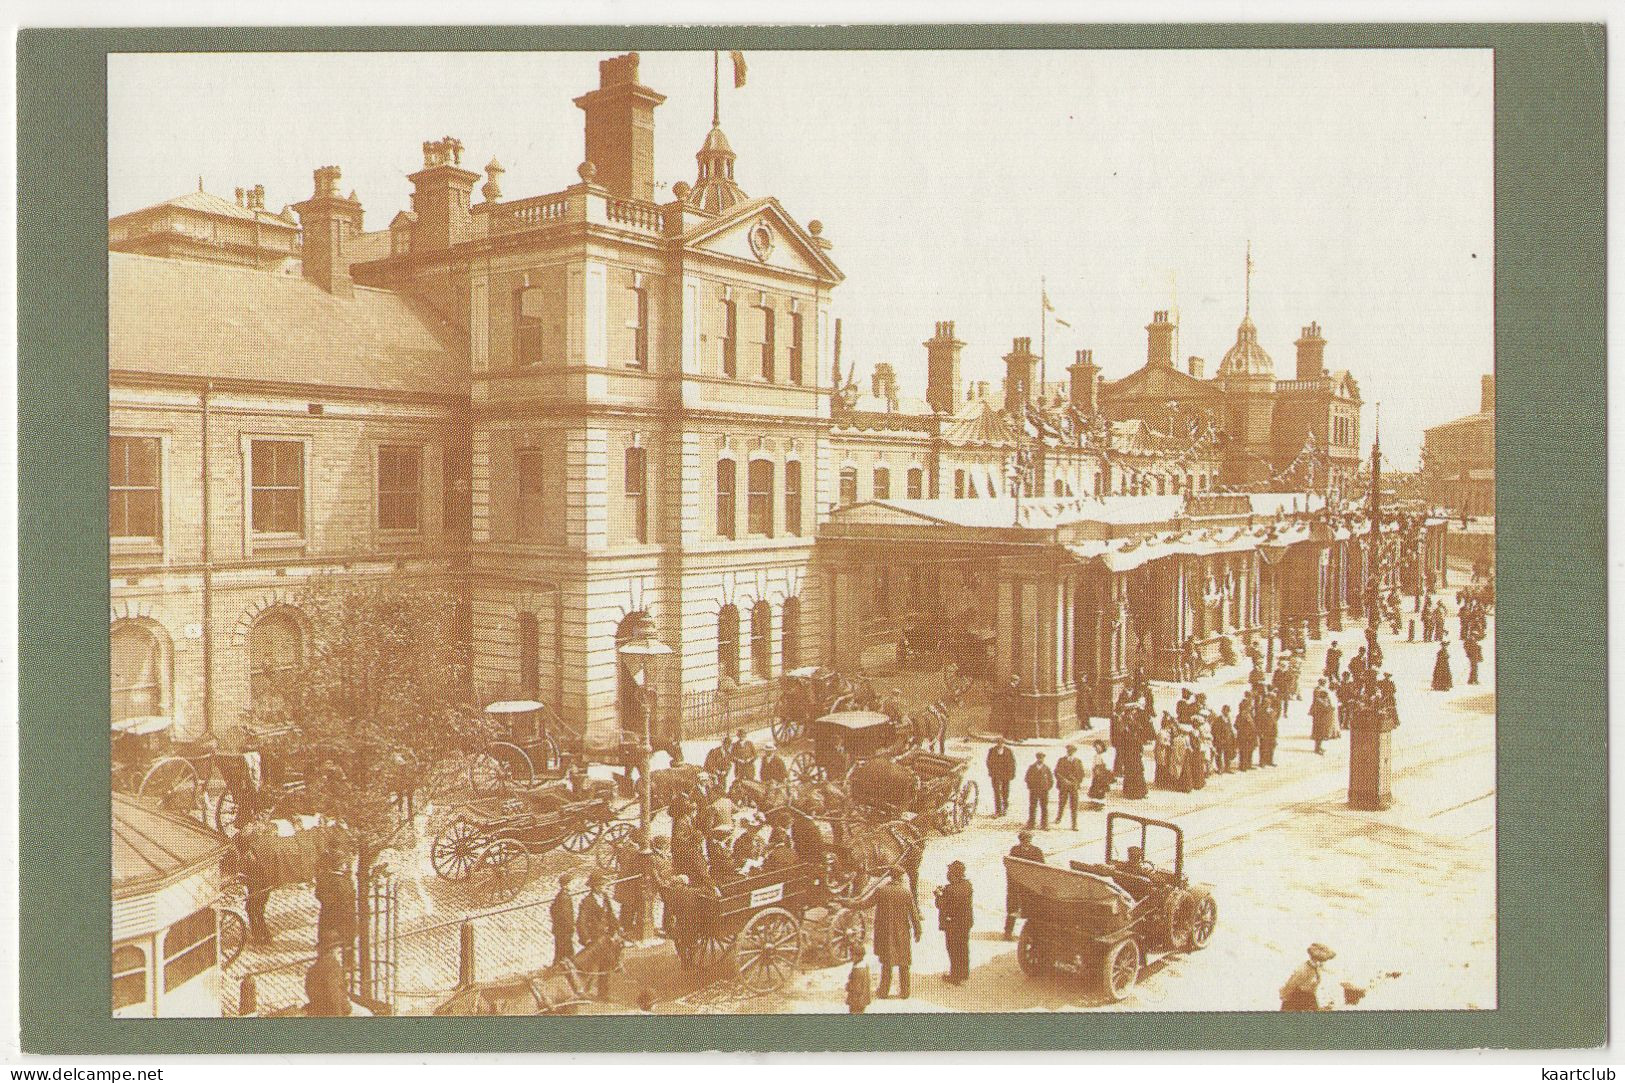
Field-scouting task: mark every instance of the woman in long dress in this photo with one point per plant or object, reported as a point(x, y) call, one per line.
point(1442, 681)
point(1131, 764)
point(1322, 717)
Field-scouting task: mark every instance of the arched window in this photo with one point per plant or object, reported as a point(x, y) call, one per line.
point(849, 485)
point(792, 496)
point(791, 645)
point(637, 494)
point(727, 498)
point(728, 643)
point(959, 484)
point(761, 641)
point(916, 482)
point(275, 649)
point(140, 678)
point(882, 483)
point(759, 497)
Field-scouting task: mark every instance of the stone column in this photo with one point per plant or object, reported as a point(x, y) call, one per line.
point(847, 608)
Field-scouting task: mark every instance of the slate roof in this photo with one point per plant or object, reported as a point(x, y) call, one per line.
point(209, 203)
point(184, 317)
point(152, 847)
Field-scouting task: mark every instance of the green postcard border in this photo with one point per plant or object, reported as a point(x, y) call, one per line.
point(1552, 633)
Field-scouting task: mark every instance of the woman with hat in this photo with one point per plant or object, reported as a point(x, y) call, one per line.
point(1100, 774)
point(1322, 716)
point(1301, 993)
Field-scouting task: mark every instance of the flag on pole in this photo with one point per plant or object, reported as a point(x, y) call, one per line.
point(1061, 323)
point(1047, 306)
point(739, 68)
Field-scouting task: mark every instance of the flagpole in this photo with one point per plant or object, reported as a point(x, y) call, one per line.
point(716, 93)
point(1043, 338)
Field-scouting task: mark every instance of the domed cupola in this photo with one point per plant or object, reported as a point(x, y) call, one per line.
point(715, 191)
point(1246, 357)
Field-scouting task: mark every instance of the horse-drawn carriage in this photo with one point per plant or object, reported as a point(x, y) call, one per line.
point(762, 925)
point(536, 746)
point(837, 741)
point(148, 761)
point(805, 695)
point(1107, 918)
point(493, 840)
point(931, 786)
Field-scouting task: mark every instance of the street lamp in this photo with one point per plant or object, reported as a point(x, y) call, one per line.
point(641, 655)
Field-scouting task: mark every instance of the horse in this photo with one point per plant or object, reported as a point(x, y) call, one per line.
point(862, 854)
point(270, 854)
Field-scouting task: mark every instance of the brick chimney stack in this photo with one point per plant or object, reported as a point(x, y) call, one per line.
point(883, 385)
point(1018, 380)
point(1085, 383)
point(942, 352)
point(1159, 340)
point(1486, 394)
point(1311, 353)
point(441, 193)
point(328, 221)
point(1196, 367)
point(621, 129)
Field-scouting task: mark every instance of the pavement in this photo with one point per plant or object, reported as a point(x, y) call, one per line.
point(1405, 896)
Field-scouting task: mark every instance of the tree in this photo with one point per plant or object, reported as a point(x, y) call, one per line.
point(375, 715)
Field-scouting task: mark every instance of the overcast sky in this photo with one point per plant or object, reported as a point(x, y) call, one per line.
point(951, 183)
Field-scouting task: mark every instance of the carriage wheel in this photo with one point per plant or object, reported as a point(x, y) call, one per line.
point(582, 839)
point(806, 769)
point(767, 949)
point(1120, 969)
point(1205, 921)
point(173, 783)
point(611, 843)
point(233, 937)
point(848, 932)
point(784, 729)
point(456, 851)
point(500, 767)
point(504, 868)
point(969, 796)
point(1030, 953)
point(226, 813)
point(708, 950)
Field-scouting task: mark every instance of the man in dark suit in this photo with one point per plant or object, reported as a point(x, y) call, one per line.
point(1025, 850)
point(897, 928)
point(1040, 779)
point(335, 894)
point(596, 921)
point(743, 756)
point(1001, 771)
point(1068, 781)
point(563, 914)
point(954, 916)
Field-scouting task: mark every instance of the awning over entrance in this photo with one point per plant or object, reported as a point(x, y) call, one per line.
point(1126, 554)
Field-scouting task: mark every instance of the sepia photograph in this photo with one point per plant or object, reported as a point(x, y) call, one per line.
point(770, 532)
